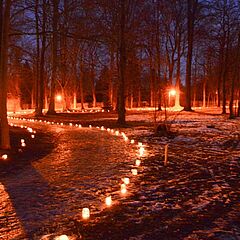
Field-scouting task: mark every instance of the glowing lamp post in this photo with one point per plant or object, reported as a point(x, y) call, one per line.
point(59, 98)
point(172, 92)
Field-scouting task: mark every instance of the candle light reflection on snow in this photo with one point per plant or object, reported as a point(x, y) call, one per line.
point(125, 180)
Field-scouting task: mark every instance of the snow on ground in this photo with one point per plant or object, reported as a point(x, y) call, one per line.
point(196, 196)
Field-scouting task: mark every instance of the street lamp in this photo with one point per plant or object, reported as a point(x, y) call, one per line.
point(59, 98)
point(171, 92)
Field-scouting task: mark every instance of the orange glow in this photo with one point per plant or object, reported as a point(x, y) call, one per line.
point(123, 188)
point(85, 213)
point(4, 157)
point(108, 201)
point(59, 98)
point(172, 92)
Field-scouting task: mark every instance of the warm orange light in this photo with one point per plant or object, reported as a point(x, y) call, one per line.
point(141, 151)
point(138, 162)
point(123, 188)
point(85, 213)
point(59, 98)
point(4, 157)
point(63, 237)
point(172, 92)
point(108, 201)
point(134, 172)
point(126, 180)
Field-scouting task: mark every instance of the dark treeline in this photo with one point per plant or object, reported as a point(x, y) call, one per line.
point(124, 53)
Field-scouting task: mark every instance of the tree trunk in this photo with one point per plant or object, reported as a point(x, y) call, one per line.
point(225, 75)
point(42, 63)
point(110, 91)
point(81, 85)
point(122, 65)
point(4, 31)
point(93, 86)
point(51, 109)
point(234, 77)
point(37, 82)
point(192, 5)
point(177, 97)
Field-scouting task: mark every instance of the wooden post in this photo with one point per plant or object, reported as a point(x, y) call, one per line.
point(166, 155)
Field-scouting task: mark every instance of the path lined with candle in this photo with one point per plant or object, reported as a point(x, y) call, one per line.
point(89, 170)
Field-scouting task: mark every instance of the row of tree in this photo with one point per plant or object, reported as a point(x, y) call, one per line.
point(128, 50)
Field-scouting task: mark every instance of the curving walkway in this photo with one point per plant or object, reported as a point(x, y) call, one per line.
point(83, 168)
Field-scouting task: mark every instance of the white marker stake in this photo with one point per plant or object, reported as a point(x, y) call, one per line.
point(166, 155)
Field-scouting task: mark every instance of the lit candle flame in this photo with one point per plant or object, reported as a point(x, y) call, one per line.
point(4, 157)
point(63, 237)
point(134, 172)
point(108, 201)
point(138, 162)
point(141, 151)
point(126, 180)
point(123, 188)
point(85, 213)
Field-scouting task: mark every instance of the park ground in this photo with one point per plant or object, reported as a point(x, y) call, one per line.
point(45, 185)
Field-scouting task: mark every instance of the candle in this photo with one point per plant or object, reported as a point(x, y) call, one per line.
point(126, 180)
point(123, 188)
point(108, 201)
point(141, 151)
point(85, 213)
point(63, 237)
point(138, 162)
point(134, 172)
point(4, 157)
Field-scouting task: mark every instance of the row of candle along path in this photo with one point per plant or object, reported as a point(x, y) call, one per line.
point(124, 181)
point(22, 140)
point(72, 111)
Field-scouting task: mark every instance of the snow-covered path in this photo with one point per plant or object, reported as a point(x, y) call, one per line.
point(83, 168)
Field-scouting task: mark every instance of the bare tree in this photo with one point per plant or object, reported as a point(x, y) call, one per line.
point(5, 7)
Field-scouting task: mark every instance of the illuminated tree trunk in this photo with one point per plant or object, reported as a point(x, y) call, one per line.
point(41, 54)
point(51, 109)
point(234, 77)
point(192, 7)
point(122, 66)
point(177, 97)
point(225, 75)
point(37, 78)
point(110, 91)
point(81, 84)
point(93, 86)
point(4, 31)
